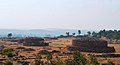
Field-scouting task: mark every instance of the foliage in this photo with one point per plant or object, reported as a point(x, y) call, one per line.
point(38, 57)
point(37, 62)
point(70, 62)
point(8, 62)
point(68, 33)
point(111, 34)
point(49, 57)
point(79, 32)
point(93, 60)
point(89, 33)
point(111, 62)
point(73, 34)
point(9, 35)
point(60, 63)
point(8, 52)
point(79, 59)
point(25, 63)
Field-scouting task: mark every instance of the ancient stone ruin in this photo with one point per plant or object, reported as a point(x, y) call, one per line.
point(34, 41)
point(90, 45)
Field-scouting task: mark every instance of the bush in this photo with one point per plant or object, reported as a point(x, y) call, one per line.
point(6, 51)
point(8, 62)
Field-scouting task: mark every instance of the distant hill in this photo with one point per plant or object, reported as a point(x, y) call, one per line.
point(38, 32)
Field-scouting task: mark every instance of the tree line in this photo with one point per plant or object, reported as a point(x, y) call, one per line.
point(110, 34)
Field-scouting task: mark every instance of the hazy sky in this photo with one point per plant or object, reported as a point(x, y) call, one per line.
point(68, 14)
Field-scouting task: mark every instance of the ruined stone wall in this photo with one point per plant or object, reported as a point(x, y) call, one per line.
point(34, 42)
point(91, 45)
point(80, 43)
point(93, 49)
point(31, 44)
point(32, 39)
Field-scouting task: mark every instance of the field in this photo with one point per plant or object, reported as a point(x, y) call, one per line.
point(116, 46)
point(32, 54)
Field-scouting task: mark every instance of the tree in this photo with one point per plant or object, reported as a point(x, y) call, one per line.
point(79, 59)
point(68, 34)
point(8, 62)
point(94, 34)
point(73, 34)
point(103, 32)
point(79, 32)
point(8, 52)
point(110, 34)
point(89, 33)
point(49, 57)
point(9, 35)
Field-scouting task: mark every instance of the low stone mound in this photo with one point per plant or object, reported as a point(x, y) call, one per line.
point(92, 49)
point(91, 45)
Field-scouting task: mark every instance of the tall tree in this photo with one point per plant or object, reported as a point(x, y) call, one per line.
point(79, 32)
point(89, 33)
point(68, 34)
point(79, 59)
point(9, 35)
point(73, 34)
point(94, 34)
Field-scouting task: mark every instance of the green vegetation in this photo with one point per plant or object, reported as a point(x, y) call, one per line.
point(78, 59)
point(111, 62)
point(111, 34)
point(93, 60)
point(9, 35)
point(38, 60)
point(79, 32)
point(8, 62)
point(8, 52)
point(25, 63)
point(68, 33)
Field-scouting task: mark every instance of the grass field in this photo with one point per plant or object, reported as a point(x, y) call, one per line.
point(116, 46)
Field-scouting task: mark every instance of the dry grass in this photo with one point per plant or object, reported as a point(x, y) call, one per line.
point(116, 46)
